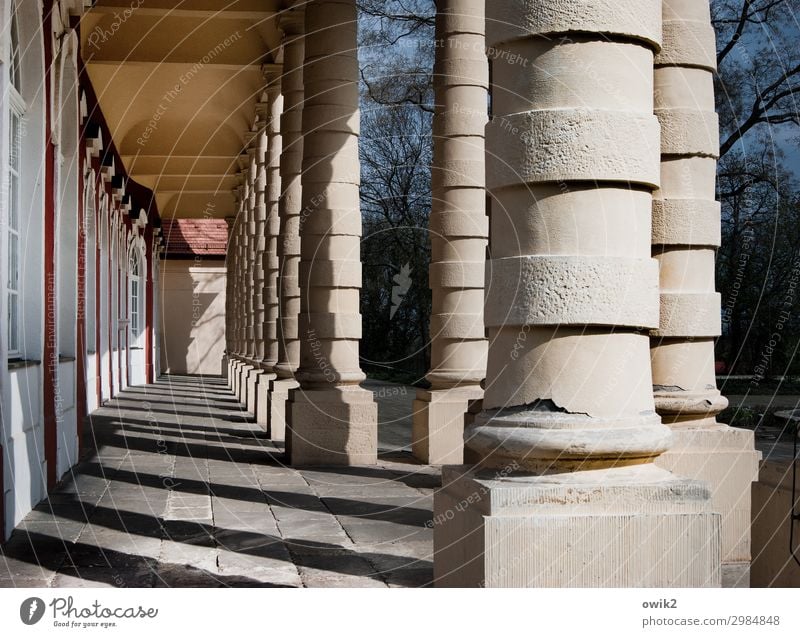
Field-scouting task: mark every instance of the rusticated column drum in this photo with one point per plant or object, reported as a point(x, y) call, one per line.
point(568, 433)
point(289, 207)
point(572, 153)
point(332, 420)
point(686, 234)
point(458, 231)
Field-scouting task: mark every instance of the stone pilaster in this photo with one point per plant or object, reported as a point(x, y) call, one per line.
point(458, 232)
point(273, 108)
point(566, 492)
point(686, 234)
point(289, 207)
point(331, 419)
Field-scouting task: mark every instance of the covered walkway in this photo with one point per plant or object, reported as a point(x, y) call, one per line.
point(181, 488)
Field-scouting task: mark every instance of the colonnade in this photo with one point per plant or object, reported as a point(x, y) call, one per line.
point(581, 346)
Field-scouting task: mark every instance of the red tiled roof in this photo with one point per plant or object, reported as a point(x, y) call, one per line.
point(195, 237)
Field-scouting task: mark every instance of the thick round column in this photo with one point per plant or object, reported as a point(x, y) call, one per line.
point(458, 222)
point(290, 203)
point(686, 219)
point(686, 234)
point(568, 432)
point(289, 207)
point(260, 301)
point(272, 104)
point(240, 269)
point(458, 233)
point(261, 246)
point(572, 157)
point(240, 291)
point(250, 255)
point(230, 269)
point(249, 168)
point(272, 226)
point(332, 420)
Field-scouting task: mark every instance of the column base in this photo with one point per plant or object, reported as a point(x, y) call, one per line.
point(265, 380)
point(636, 526)
point(273, 408)
point(254, 382)
point(725, 458)
point(225, 366)
point(437, 434)
point(244, 370)
point(332, 426)
point(233, 381)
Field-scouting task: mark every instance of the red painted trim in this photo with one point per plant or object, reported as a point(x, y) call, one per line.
point(50, 354)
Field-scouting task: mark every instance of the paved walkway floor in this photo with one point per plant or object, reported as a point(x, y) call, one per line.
point(183, 489)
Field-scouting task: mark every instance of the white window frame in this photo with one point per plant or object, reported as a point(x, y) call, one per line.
point(16, 115)
point(135, 294)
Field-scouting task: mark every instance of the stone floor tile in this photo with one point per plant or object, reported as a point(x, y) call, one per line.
point(200, 497)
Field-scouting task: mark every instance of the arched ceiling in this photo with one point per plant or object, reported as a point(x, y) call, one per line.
point(178, 82)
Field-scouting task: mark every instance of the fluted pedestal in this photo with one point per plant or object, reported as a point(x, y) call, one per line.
point(330, 420)
point(565, 492)
point(458, 230)
point(686, 234)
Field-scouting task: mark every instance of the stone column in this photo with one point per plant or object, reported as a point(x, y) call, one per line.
point(686, 234)
point(261, 336)
point(566, 492)
point(458, 232)
point(249, 168)
point(239, 291)
point(230, 285)
point(289, 206)
point(273, 106)
point(331, 419)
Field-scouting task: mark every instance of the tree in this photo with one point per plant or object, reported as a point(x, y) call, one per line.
point(757, 86)
point(396, 60)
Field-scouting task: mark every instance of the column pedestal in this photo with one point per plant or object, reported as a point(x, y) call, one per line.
point(725, 458)
point(244, 374)
point(255, 381)
point(637, 526)
point(272, 410)
point(261, 401)
point(332, 426)
point(437, 434)
point(236, 377)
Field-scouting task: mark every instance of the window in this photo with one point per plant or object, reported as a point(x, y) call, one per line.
point(16, 113)
point(135, 295)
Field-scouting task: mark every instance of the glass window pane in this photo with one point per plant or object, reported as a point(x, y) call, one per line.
point(13, 261)
point(13, 328)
